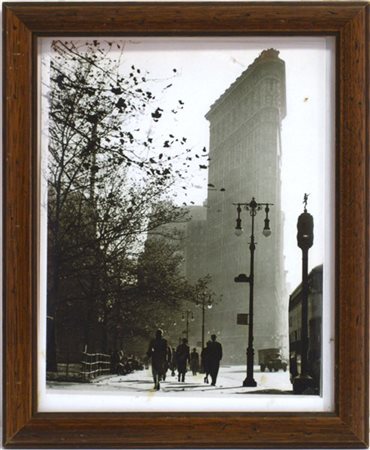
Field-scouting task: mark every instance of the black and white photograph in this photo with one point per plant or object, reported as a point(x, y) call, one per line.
point(187, 224)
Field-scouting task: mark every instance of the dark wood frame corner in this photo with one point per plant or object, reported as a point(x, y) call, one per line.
point(347, 426)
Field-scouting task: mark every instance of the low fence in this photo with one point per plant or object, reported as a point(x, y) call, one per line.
point(65, 372)
point(94, 365)
point(69, 370)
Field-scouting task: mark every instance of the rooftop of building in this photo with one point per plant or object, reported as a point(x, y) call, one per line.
point(266, 55)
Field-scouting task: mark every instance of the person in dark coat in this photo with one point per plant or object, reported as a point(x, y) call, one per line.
point(182, 358)
point(173, 363)
point(214, 356)
point(194, 361)
point(158, 351)
point(168, 362)
point(205, 362)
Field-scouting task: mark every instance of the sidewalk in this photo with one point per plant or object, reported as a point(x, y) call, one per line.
point(229, 381)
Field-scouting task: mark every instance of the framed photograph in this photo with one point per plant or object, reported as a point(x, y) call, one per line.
point(186, 225)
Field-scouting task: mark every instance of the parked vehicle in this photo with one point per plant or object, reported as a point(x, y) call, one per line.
point(270, 359)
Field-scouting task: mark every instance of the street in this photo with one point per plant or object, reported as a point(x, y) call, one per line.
point(229, 381)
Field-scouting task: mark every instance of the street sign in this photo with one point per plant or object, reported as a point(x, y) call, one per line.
point(242, 319)
point(241, 278)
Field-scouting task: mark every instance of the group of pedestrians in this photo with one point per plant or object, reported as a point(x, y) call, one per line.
point(163, 357)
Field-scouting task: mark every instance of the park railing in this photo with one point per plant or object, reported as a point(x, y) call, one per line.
point(94, 365)
point(65, 371)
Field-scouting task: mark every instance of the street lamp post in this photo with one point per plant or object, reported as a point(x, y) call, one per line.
point(253, 207)
point(203, 305)
point(304, 242)
point(185, 316)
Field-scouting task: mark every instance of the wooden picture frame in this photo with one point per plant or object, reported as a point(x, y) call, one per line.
point(347, 426)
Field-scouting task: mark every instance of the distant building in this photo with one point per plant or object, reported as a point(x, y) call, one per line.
point(314, 326)
point(195, 243)
point(189, 236)
point(245, 162)
point(174, 233)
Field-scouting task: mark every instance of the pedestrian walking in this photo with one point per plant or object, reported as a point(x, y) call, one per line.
point(168, 362)
point(194, 361)
point(205, 362)
point(214, 357)
point(182, 358)
point(158, 352)
point(173, 364)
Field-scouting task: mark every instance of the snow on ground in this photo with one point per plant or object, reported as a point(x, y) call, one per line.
point(229, 381)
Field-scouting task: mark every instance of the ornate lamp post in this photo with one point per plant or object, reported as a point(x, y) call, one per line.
point(253, 207)
point(304, 242)
point(187, 315)
point(204, 304)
